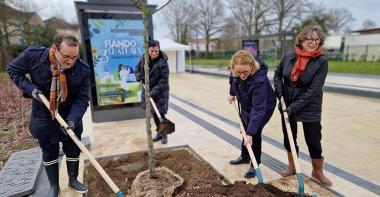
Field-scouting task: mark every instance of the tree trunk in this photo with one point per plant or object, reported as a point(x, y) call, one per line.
point(152, 171)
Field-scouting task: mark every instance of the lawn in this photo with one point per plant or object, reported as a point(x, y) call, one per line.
point(369, 68)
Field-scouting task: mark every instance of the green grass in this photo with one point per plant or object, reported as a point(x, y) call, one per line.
point(368, 68)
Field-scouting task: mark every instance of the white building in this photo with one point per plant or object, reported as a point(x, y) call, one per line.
point(364, 47)
point(175, 52)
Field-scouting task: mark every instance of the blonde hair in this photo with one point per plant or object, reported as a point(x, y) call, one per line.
point(243, 57)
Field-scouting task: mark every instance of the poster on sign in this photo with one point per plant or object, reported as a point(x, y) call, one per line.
point(252, 46)
point(117, 46)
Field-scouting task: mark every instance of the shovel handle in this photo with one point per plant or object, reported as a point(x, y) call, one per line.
point(155, 109)
point(82, 148)
point(290, 136)
point(249, 148)
point(292, 146)
point(154, 106)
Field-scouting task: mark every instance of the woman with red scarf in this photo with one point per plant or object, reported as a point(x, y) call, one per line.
point(299, 79)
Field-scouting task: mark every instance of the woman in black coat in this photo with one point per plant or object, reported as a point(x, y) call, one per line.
point(158, 83)
point(299, 79)
point(250, 85)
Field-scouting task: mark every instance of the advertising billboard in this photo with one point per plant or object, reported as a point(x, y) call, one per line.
point(252, 46)
point(116, 44)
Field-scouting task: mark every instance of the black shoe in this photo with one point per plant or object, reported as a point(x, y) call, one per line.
point(239, 160)
point(158, 137)
point(250, 173)
point(72, 171)
point(164, 139)
point(52, 173)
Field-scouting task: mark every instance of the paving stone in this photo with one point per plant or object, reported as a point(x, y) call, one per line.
point(18, 177)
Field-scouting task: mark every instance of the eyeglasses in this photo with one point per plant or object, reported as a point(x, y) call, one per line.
point(247, 72)
point(311, 40)
point(67, 57)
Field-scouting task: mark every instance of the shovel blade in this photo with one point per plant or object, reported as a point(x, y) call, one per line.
point(166, 127)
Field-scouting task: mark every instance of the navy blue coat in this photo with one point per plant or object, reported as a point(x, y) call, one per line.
point(158, 81)
point(305, 98)
point(35, 62)
point(256, 97)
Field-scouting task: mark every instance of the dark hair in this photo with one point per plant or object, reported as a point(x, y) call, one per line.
point(68, 39)
point(153, 43)
point(306, 31)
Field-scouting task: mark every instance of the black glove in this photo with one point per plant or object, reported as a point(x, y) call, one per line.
point(70, 125)
point(278, 94)
point(35, 93)
point(288, 110)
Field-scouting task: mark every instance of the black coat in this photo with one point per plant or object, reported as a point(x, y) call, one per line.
point(158, 81)
point(305, 98)
point(256, 97)
point(35, 61)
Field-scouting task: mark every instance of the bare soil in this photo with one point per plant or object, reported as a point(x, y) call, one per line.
point(14, 119)
point(200, 179)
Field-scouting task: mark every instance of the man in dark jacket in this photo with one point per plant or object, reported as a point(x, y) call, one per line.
point(158, 83)
point(58, 74)
point(250, 85)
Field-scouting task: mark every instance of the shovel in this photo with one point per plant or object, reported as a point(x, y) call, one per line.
point(72, 135)
point(166, 126)
point(292, 148)
point(250, 151)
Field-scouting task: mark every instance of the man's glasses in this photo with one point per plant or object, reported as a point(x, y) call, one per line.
point(67, 57)
point(311, 40)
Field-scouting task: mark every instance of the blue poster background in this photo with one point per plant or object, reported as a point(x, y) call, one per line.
point(116, 47)
point(251, 46)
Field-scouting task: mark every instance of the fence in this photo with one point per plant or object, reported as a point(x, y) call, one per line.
point(366, 53)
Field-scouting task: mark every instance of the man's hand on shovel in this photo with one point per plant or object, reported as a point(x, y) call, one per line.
point(70, 125)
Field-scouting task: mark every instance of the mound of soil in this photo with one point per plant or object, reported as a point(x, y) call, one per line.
point(200, 179)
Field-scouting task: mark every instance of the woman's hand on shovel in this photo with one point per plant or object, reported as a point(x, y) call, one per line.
point(248, 140)
point(231, 99)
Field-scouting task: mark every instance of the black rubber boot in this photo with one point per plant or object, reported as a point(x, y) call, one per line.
point(158, 137)
point(52, 173)
point(164, 139)
point(72, 171)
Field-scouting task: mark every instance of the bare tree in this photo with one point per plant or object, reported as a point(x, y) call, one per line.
point(288, 13)
point(340, 17)
point(230, 37)
point(368, 24)
point(209, 18)
point(251, 14)
point(178, 17)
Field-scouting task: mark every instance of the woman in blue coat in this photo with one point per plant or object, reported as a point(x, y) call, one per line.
point(249, 84)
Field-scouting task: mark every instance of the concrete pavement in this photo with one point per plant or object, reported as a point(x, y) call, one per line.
point(205, 121)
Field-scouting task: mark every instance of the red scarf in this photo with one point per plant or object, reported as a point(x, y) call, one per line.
point(58, 89)
point(303, 58)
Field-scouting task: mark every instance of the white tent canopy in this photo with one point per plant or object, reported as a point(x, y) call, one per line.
point(175, 52)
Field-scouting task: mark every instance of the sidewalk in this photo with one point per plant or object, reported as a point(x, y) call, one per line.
point(206, 122)
point(354, 84)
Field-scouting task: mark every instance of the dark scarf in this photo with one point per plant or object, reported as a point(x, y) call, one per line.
point(58, 89)
point(303, 58)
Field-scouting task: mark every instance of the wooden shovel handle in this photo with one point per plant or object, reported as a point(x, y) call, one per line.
point(290, 136)
point(82, 147)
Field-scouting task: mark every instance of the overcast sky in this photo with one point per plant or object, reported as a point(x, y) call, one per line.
point(360, 9)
